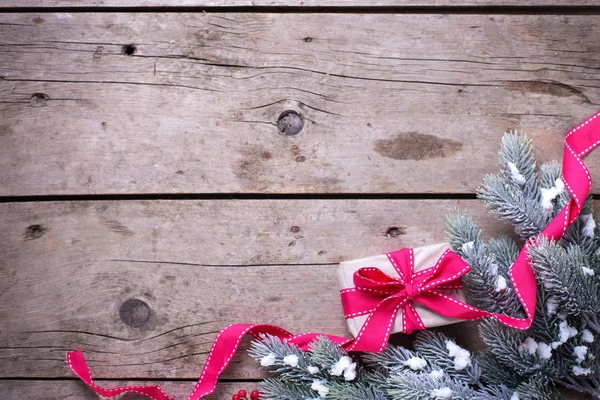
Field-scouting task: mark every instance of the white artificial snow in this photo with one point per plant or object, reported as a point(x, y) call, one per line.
point(462, 357)
point(515, 175)
point(544, 351)
point(350, 372)
point(548, 195)
point(565, 332)
point(291, 360)
point(551, 305)
point(578, 371)
point(587, 336)
point(441, 393)
point(515, 396)
point(494, 268)
point(589, 225)
point(547, 285)
point(461, 363)
point(312, 369)
point(500, 283)
point(587, 271)
point(338, 368)
point(437, 374)
point(415, 363)
point(555, 345)
point(580, 352)
point(267, 360)
point(530, 345)
point(320, 388)
point(467, 247)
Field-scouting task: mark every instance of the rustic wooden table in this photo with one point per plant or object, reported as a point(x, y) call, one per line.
point(149, 198)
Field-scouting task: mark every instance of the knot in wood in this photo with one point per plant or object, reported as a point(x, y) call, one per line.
point(129, 49)
point(290, 123)
point(38, 99)
point(34, 231)
point(134, 313)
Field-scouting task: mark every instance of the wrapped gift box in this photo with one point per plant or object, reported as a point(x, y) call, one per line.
point(424, 257)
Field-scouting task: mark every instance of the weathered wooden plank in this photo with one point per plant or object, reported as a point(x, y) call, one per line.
point(287, 3)
point(391, 103)
point(71, 269)
point(75, 390)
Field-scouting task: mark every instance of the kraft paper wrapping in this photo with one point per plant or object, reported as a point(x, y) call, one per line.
point(425, 257)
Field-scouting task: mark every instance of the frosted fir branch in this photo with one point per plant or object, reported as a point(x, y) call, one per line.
point(276, 389)
point(341, 391)
point(517, 161)
point(507, 347)
point(504, 250)
point(583, 384)
point(561, 272)
point(442, 352)
point(514, 194)
point(538, 387)
point(494, 372)
point(488, 269)
point(415, 386)
point(393, 358)
point(583, 232)
point(550, 173)
point(285, 359)
point(326, 353)
point(509, 203)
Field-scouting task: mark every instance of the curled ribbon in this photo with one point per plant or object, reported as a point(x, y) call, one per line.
point(423, 289)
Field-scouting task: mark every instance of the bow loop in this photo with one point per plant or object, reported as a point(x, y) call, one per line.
point(374, 280)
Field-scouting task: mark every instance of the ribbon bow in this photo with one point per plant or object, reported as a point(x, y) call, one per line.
point(381, 296)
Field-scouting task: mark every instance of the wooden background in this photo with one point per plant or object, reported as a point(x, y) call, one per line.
point(148, 198)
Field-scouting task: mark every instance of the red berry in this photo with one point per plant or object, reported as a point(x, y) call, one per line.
point(254, 395)
point(235, 397)
point(242, 394)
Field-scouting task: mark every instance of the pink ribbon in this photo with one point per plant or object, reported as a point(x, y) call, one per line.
point(423, 287)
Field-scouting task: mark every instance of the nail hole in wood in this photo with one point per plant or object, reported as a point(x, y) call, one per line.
point(35, 231)
point(295, 229)
point(129, 49)
point(308, 39)
point(290, 123)
point(134, 313)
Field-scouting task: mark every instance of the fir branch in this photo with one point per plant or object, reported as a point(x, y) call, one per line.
point(562, 274)
point(393, 358)
point(413, 386)
point(271, 352)
point(514, 195)
point(443, 352)
point(488, 270)
point(344, 391)
point(277, 389)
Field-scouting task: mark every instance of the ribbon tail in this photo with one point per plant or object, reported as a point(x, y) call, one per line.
point(375, 332)
point(79, 366)
point(224, 347)
point(411, 319)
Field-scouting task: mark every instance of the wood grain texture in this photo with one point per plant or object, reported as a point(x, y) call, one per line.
point(197, 266)
point(75, 390)
point(392, 103)
point(287, 3)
